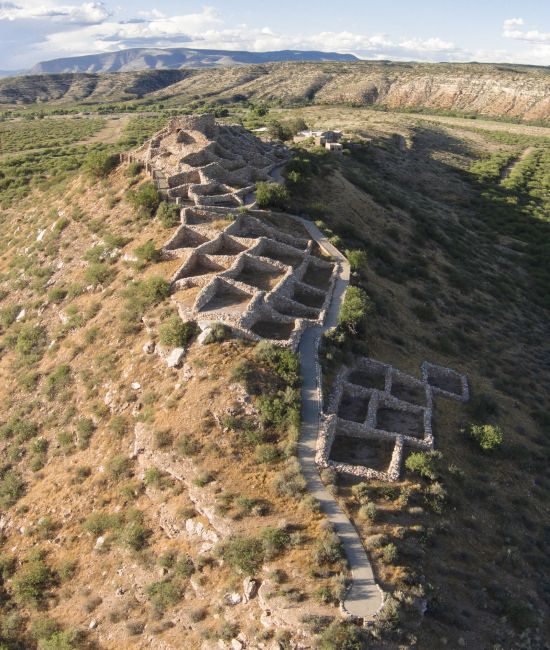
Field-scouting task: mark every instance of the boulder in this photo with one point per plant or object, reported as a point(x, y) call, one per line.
point(250, 588)
point(175, 358)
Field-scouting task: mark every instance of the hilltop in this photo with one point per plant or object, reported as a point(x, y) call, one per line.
point(151, 488)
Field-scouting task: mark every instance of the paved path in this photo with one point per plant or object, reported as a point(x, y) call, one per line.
point(364, 597)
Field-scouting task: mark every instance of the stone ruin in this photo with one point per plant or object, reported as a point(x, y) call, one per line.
point(375, 412)
point(262, 282)
point(196, 161)
point(257, 279)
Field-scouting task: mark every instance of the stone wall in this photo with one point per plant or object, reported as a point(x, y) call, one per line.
point(369, 429)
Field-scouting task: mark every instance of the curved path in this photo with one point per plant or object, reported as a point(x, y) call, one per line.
point(364, 597)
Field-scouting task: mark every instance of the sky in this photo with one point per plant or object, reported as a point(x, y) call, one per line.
point(509, 31)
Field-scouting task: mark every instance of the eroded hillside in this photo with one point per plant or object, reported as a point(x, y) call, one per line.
point(518, 92)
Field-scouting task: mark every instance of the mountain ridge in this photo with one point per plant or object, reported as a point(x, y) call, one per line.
point(140, 58)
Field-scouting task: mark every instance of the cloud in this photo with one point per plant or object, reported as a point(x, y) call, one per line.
point(510, 29)
point(88, 13)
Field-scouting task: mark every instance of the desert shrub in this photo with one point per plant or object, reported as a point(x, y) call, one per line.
point(423, 463)
point(119, 425)
point(341, 636)
point(134, 169)
point(186, 446)
point(99, 164)
point(98, 523)
point(272, 195)
point(244, 554)
point(66, 640)
point(355, 310)
point(85, 428)
point(164, 594)
point(279, 130)
point(218, 332)
point(32, 581)
point(184, 567)
point(99, 273)
point(148, 252)
point(358, 260)
point(368, 511)
point(328, 549)
point(135, 534)
point(30, 341)
point(119, 466)
point(168, 214)
point(143, 294)
point(389, 553)
point(12, 487)
point(487, 436)
point(145, 200)
point(163, 439)
point(58, 380)
point(8, 315)
point(267, 453)
point(204, 478)
point(57, 295)
point(290, 481)
point(19, 428)
point(154, 477)
point(388, 616)
point(176, 333)
point(275, 541)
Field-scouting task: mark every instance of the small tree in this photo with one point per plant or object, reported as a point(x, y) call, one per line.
point(357, 306)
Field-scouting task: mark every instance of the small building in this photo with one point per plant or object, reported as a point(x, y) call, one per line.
point(334, 146)
point(319, 137)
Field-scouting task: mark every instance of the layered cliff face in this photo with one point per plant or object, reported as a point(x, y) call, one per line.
point(518, 92)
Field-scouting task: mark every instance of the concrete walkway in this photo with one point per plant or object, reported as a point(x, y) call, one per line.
point(364, 597)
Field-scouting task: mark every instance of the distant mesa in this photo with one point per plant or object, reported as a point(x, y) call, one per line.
point(174, 58)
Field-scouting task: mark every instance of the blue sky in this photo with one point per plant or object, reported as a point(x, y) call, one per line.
point(426, 30)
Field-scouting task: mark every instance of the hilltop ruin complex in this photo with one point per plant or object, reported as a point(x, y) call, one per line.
point(262, 282)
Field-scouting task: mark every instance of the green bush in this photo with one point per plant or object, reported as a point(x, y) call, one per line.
point(12, 487)
point(30, 341)
point(99, 522)
point(176, 333)
point(272, 195)
point(148, 252)
point(328, 549)
point(244, 554)
point(168, 214)
point(57, 380)
point(135, 535)
point(57, 295)
point(66, 640)
point(100, 163)
point(358, 260)
point(119, 466)
point(341, 636)
point(389, 553)
point(487, 436)
point(275, 541)
point(32, 581)
point(134, 169)
point(164, 594)
point(423, 463)
point(145, 200)
point(99, 273)
point(218, 332)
